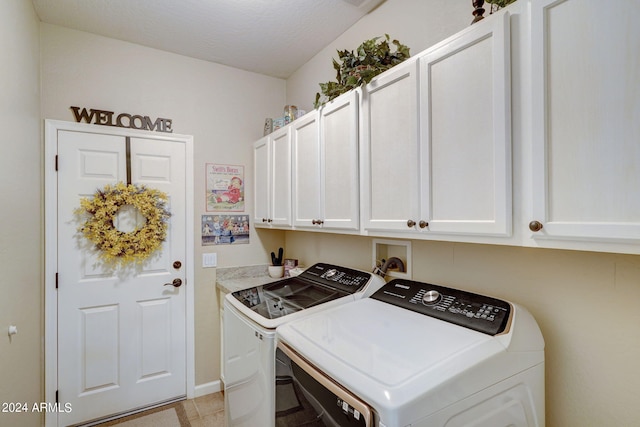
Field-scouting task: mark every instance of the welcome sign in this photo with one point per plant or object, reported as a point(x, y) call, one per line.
point(123, 120)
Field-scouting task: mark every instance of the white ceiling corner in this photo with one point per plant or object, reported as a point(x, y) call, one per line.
point(271, 37)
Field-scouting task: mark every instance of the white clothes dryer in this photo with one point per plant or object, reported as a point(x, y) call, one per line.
point(419, 355)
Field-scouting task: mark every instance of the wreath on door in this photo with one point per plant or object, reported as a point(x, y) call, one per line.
point(123, 247)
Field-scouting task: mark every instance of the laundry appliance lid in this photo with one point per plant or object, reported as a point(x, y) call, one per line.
point(318, 287)
point(385, 354)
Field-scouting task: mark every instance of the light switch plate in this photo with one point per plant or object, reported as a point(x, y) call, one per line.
point(209, 260)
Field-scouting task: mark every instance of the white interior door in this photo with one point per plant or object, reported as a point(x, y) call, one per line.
point(121, 332)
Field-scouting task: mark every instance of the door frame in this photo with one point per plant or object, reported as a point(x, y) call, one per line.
point(51, 250)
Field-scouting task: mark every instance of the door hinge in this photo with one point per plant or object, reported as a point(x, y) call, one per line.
point(56, 163)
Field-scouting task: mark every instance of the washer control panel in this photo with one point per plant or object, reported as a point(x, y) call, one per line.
point(473, 311)
point(334, 276)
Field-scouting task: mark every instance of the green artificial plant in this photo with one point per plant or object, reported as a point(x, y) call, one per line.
point(357, 68)
point(500, 3)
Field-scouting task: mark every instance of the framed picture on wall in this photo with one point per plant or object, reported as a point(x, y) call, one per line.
point(224, 188)
point(225, 229)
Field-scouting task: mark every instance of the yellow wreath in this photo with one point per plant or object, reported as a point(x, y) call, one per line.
point(118, 247)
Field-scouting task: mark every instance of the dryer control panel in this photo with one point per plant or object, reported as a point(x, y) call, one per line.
point(478, 312)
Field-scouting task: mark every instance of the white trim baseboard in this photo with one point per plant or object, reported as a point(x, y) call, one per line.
point(208, 388)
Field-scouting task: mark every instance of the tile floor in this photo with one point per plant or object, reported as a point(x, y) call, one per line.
point(205, 411)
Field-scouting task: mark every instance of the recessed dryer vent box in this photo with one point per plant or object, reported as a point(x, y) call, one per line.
point(385, 249)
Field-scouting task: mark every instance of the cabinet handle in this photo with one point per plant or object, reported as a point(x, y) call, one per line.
point(264, 219)
point(535, 226)
point(411, 223)
point(317, 222)
point(269, 220)
point(423, 224)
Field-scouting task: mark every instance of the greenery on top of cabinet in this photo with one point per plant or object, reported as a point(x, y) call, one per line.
point(500, 3)
point(359, 67)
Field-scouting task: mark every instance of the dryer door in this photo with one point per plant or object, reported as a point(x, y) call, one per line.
point(307, 395)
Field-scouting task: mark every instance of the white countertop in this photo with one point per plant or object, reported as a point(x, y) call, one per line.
point(232, 279)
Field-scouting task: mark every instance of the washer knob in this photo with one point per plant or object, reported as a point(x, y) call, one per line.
point(431, 297)
point(330, 273)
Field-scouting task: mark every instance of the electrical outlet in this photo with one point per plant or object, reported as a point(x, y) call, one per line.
point(209, 260)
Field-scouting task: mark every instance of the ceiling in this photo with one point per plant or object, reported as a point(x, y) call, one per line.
point(271, 37)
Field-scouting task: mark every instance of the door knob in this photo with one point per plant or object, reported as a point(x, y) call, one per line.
point(176, 283)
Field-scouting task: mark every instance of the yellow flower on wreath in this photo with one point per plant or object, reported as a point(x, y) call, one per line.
point(119, 247)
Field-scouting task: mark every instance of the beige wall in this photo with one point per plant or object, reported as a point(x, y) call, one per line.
point(20, 216)
point(585, 302)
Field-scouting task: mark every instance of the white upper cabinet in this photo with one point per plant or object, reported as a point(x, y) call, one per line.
point(425, 150)
point(438, 148)
point(272, 175)
point(391, 149)
point(306, 170)
point(339, 160)
point(325, 166)
point(261, 203)
point(280, 191)
point(465, 122)
point(586, 125)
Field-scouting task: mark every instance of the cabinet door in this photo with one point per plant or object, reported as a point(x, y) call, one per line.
point(280, 175)
point(305, 137)
point(390, 108)
point(261, 175)
point(466, 131)
point(586, 122)
point(340, 184)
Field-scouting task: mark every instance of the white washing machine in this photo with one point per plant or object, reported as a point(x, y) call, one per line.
point(250, 320)
point(416, 354)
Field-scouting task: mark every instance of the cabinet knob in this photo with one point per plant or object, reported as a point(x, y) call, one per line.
point(264, 219)
point(411, 223)
point(269, 220)
point(535, 226)
point(317, 222)
point(423, 224)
